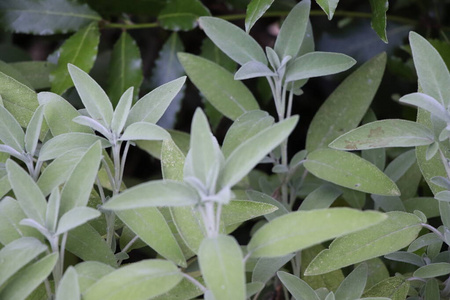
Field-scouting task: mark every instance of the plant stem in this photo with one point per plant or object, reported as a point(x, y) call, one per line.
point(434, 230)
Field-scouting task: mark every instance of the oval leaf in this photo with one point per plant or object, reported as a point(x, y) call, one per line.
point(433, 270)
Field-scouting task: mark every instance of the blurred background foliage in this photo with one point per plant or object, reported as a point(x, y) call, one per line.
point(134, 43)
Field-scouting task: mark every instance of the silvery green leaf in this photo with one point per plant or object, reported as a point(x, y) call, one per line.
point(315, 64)
point(299, 289)
point(68, 288)
point(273, 58)
point(293, 30)
point(443, 196)
point(398, 167)
point(92, 95)
point(423, 241)
point(76, 217)
point(428, 103)
point(11, 133)
point(238, 211)
point(352, 287)
point(34, 130)
point(121, 112)
point(11, 151)
point(255, 10)
point(91, 271)
point(433, 270)
point(321, 197)
point(266, 267)
point(144, 131)
point(441, 181)
point(97, 126)
point(232, 40)
point(432, 290)
point(264, 198)
point(394, 288)
point(52, 212)
point(432, 150)
point(253, 69)
point(407, 257)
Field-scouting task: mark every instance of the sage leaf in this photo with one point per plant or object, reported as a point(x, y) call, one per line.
point(379, 9)
point(11, 133)
point(89, 272)
point(221, 263)
point(253, 69)
point(328, 6)
point(121, 112)
point(95, 125)
point(189, 224)
point(395, 288)
point(264, 198)
point(232, 40)
point(392, 234)
point(232, 98)
point(299, 289)
point(428, 103)
point(34, 130)
point(37, 73)
point(255, 10)
point(433, 270)
point(352, 287)
point(76, 217)
point(79, 50)
point(385, 133)
point(172, 161)
point(68, 288)
point(144, 131)
point(275, 238)
point(182, 14)
point(52, 212)
point(138, 281)
point(407, 257)
point(266, 267)
point(238, 211)
point(322, 197)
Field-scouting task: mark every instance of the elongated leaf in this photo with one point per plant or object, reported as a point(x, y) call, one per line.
point(137, 281)
point(29, 278)
point(317, 64)
point(185, 290)
point(407, 257)
point(89, 272)
point(121, 112)
point(394, 233)
point(276, 239)
point(299, 289)
point(76, 217)
point(428, 103)
point(245, 157)
point(172, 161)
point(59, 114)
point(27, 192)
point(144, 131)
point(321, 197)
point(255, 10)
point(293, 30)
point(7, 69)
point(93, 124)
point(264, 198)
point(64, 143)
point(379, 9)
point(68, 288)
point(17, 254)
point(37, 73)
point(125, 69)
point(45, 17)
point(328, 122)
point(385, 133)
point(395, 288)
point(152, 194)
point(232, 40)
point(77, 189)
point(190, 225)
point(152, 106)
point(432, 290)
point(253, 69)
point(149, 224)
point(17, 98)
point(79, 50)
point(328, 6)
point(182, 14)
point(434, 77)
point(232, 98)
point(11, 133)
point(34, 130)
point(353, 285)
point(266, 267)
point(221, 263)
point(93, 96)
point(351, 171)
point(238, 211)
point(433, 270)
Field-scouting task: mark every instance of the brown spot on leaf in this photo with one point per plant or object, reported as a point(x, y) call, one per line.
point(350, 145)
point(377, 132)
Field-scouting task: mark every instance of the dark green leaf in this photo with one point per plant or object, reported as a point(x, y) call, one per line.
point(379, 8)
point(255, 10)
point(182, 14)
point(328, 6)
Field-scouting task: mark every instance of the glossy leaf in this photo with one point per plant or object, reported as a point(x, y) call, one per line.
point(293, 30)
point(93, 96)
point(89, 272)
point(379, 8)
point(385, 133)
point(125, 69)
point(152, 106)
point(395, 288)
point(232, 98)
point(149, 224)
point(352, 287)
point(121, 112)
point(276, 238)
point(317, 64)
point(27, 192)
point(11, 133)
point(433, 270)
point(45, 17)
point(17, 254)
point(68, 288)
point(34, 130)
point(329, 123)
point(79, 50)
point(182, 14)
point(138, 281)
point(246, 156)
point(351, 171)
point(328, 6)
point(76, 217)
point(152, 194)
point(221, 263)
point(232, 40)
point(394, 233)
point(299, 289)
point(266, 267)
point(29, 278)
point(17, 98)
point(255, 10)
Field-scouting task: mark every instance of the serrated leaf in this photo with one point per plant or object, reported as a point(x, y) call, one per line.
point(137, 281)
point(34, 130)
point(383, 134)
point(328, 122)
point(92, 95)
point(11, 133)
point(255, 10)
point(299, 289)
point(76, 217)
point(232, 98)
point(79, 50)
point(232, 40)
point(144, 131)
point(125, 69)
point(379, 9)
point(276, 239)
point(315, 64)
point(182, 14)
point(221, 263)
point(328, 6)
point(45, 17)
point(68, 288)
point(392, 234)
